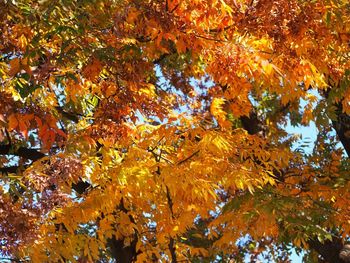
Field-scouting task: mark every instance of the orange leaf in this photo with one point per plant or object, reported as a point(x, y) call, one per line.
point(13, 122)
point(23, 128)
point(15, 66)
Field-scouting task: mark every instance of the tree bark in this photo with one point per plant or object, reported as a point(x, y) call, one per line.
point(342, 122)
point(342, 126)
point(331, 251)
point(252, 124)
point(24, 152)
point(121, 252)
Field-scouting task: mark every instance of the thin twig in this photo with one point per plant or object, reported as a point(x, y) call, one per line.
point(187, 158)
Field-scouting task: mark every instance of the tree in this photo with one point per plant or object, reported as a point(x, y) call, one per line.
point(148, 131)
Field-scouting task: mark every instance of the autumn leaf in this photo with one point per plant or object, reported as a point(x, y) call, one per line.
point(15, 67)
point(164, 131)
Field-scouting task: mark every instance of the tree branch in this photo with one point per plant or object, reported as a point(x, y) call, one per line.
point(342, 123)
point(172, 247)
point(172, 250)
point(187, 158)
point(81, 187)
point(251, 123)
point(24, 152)
point(342, 127)
point(9, 169)
point(121, 252)
point(331, 251)
point(68, 115)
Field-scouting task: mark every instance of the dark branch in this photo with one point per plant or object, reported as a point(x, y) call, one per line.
point(120, 251)
point(68, 115)
point(9, 169)
point(3, 259)
point(172, 250)
point(188, 157)
point(172, 247)
point(331, 251)
point(31, 154)
point(170, 202)
point(81, 187)
point(161, 58)
point(342, 122)
point(217, 30)
point(251, 123)
point(24, 152)
point(342, 127)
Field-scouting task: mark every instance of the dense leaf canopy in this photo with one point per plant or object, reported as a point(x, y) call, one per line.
point(157, 130)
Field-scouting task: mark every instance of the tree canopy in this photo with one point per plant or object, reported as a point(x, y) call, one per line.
point(157, 130)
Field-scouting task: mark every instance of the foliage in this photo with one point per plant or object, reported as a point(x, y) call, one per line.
point(147, 130)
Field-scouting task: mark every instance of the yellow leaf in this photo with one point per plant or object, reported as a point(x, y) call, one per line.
point(216, 109)
point(22, 42)
point(267, 67)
